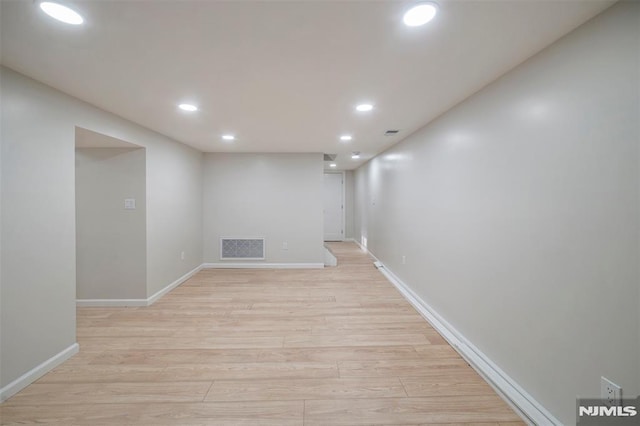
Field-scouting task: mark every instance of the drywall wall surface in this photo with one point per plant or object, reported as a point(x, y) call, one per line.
point(38, 214)
point(111, 240)
point(518, 215)
point(275, 196)
point(37, 230)
point(174, 218)
point(349, 206)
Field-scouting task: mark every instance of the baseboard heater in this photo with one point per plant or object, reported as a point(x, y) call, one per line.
point(236, 248)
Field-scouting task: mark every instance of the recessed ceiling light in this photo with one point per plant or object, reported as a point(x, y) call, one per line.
point(346, 137)
point(355, 155)
point(61, 13)
point(420, 14)
point(228, 137)
point(188, 107)
point(364, 107)
point(333, 165)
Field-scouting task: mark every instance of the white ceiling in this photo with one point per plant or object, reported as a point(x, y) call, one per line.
point(283, 76)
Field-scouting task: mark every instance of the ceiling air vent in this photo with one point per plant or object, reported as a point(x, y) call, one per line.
point(330, 157)
point(391, 132)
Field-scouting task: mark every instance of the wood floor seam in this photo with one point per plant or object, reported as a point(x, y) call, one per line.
point(403, 386)
point(338, 346)
point(204, 398)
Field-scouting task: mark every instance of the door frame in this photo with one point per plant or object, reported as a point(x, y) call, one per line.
point(344, 207)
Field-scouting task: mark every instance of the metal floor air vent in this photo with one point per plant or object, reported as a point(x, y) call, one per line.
point(241, 248)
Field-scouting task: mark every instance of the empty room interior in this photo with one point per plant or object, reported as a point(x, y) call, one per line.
point(319, 212)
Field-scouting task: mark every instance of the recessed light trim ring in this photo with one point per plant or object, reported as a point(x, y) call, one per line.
point(188, 107)
point(420, 14)
point(61, 13)
point(364, 107)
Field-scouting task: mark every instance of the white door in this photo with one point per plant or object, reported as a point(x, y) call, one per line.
point(333, 207)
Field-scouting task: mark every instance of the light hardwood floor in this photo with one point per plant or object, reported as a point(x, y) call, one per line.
point(338, 346)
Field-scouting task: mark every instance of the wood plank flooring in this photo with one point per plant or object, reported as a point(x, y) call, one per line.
point(338, 346)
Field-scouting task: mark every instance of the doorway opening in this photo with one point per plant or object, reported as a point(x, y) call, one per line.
point(333, 205)
point(111, 227)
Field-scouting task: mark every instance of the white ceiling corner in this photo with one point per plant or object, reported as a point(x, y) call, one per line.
point(283, 76)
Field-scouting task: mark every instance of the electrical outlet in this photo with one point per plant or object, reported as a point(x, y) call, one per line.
point(285, 245)
point(610, 392)
point(404, 260)
point(182, 255)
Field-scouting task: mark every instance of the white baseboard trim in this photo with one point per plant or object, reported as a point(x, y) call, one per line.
point(106, 303)
point(152, 299)
point(329, 257)
point(363, 247)
point(263, 265)
point(522, 402)
point(35, 373)
point(137, 302)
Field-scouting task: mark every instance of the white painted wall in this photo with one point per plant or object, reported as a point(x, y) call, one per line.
point(174, 211)
point(276, 196)
point(37, 230)
point(518, 213)
point(2, 135)
point(333, 222)
point(349, 206)
point(111, 242)
point(38, 215)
